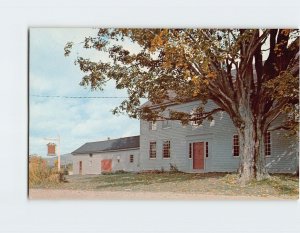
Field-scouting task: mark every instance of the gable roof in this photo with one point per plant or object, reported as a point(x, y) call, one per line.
point(109, 145)
point(171, 100)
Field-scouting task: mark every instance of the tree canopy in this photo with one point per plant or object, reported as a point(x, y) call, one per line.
point(251, 74)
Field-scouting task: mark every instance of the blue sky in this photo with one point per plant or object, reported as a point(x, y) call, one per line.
point(76, 120)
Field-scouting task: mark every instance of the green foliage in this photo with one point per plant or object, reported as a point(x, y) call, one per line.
point(120, 172)
point(115, 172)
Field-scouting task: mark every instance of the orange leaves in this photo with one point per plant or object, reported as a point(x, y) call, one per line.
point(285, 32)
point(211, 75)
point(199, 85)
point(195, 80)
point(156, 43)
point(167, 64)
point(159, 40)
point(205, 81)
point(199, 82)
point(196, 93)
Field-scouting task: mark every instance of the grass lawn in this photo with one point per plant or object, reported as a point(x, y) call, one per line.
point(209, 183)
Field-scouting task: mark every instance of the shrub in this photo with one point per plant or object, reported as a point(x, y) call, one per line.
point(120, 172)
point(115, 172)
point(70, 167)
point(41, 174)
point(173, 168)
point(66, 171)
point(150, 172)
point(106, 173)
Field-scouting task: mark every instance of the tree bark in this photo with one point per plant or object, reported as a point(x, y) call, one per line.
point(259, 154)
point(246, 143)
point(252, 154)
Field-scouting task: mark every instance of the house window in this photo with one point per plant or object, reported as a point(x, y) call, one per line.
point(267, 141)
point(190, 150)
point(166, 149)
point(152, 125)
point(152, 150)
point(236, 147)
point(131, 158)
point(206, 149)
point(91, 155)
point(166, 124)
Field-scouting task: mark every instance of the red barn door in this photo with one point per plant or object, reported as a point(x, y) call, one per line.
point(106, 165)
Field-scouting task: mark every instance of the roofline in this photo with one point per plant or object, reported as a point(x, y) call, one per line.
point(104, 151)
point(170, 103)
point(113, 139)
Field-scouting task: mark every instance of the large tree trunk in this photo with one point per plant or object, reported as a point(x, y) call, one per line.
point(259, 154)
point(247, 147)
point(251, 142)
point(251, 131)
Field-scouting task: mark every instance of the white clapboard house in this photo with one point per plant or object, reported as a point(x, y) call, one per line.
point(163, 145)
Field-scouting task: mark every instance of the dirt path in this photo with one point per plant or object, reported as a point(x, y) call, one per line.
point(52, 194)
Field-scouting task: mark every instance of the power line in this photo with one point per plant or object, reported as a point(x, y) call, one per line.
point(79, 97)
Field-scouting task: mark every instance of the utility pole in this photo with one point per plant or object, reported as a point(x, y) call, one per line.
point(58, 149)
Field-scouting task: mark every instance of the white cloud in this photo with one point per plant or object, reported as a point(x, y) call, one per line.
point(76, 120)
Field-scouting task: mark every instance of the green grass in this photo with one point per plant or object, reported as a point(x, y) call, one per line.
point(208, 183)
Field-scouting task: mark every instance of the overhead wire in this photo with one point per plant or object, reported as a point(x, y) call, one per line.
point(80, 97)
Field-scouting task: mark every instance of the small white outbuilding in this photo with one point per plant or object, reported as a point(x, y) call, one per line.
point(112, 155)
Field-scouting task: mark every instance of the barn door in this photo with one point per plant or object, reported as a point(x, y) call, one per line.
point(106, 165)
point(198, 155)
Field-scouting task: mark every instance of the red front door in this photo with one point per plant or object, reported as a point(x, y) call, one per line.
point(106, 165)
point(198, 155)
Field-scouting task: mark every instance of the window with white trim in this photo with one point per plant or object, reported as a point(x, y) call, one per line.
point(166, 149)
point(166, 124)
point(267, 142)
point(235, 145)
point(152, 150)
point(152, 125)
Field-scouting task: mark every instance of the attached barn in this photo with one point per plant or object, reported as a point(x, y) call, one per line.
point(112, 155)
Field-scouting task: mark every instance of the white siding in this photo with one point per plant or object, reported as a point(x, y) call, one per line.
point(219, 135)
point(284, 153)
point(95, 160)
